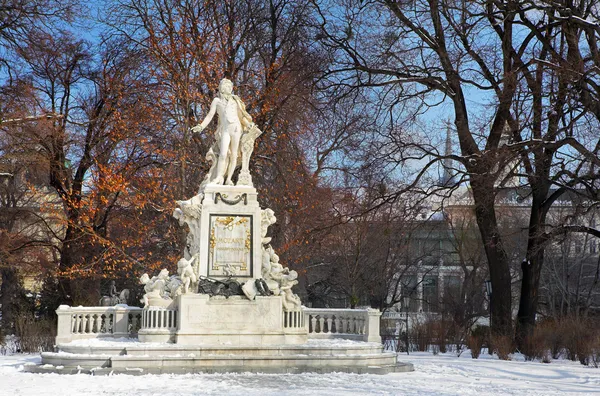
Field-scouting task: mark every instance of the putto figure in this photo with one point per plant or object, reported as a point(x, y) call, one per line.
point(233, 122)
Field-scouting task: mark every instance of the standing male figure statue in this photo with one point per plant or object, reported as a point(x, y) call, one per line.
point(233, 121)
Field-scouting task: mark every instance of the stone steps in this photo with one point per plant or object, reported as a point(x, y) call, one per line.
point(208, 350)
point(140, 358)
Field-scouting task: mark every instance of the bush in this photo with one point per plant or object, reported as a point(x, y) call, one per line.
point(536, 346)
point(503, 346)
point(34, 335)
point(422, 335)
point(552, 332)
point(474, 343)
point(578, 336)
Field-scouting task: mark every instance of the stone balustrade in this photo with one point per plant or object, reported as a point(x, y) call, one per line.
point(293, 320)
point(355, 324)
point(76, 323)
point(159, 318)
point(159, 324)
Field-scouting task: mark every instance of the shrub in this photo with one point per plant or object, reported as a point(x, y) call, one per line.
point(421, 333)
point(552, 332)
point(536, 346)
point(503, 346)
point(35, 335)
point(578, 335)
point(474, 343)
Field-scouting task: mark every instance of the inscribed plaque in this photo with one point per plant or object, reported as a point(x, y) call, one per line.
point(230, 246)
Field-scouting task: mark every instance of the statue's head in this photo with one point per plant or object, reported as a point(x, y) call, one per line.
point(163, 274)
point(144, 279)
point(293, 275)
point(226, 86)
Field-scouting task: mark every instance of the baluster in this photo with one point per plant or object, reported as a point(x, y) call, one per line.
point(97, 323)
point(329, 322)
point(321, 323)
point(338, 324)
point(77, 323)
point(313, 323)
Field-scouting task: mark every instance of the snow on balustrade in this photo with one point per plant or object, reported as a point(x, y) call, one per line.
point(76, 323)
point(356, 324)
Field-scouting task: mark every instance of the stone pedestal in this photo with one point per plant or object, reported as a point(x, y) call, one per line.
point(225, 232)
point(205, 320)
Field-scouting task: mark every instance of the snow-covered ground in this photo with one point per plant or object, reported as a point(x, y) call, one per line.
point(434, 375)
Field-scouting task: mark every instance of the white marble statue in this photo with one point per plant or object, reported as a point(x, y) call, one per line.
point(272, 271)
point(234, 137)
point(291, 301)
point(189, 212)
point(186, 273)
point(155, 288)
point(267, 218)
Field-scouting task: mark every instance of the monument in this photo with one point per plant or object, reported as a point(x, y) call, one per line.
point(231, 305)
point(230, 287)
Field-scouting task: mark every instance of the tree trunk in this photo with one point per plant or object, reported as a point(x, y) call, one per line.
point(531, 269)
point(10, 293)
point(66, 263)
point(501, 298)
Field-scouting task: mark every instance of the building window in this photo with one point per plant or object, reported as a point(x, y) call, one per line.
point(452, 297)
point(430, 293)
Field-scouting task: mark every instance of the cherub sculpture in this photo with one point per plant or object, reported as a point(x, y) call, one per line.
point(155, 287)
point(186, 273)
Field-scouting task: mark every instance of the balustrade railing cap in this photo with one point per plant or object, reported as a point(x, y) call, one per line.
point(64, 306)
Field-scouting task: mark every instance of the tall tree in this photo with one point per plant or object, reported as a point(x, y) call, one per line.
point(435, 52)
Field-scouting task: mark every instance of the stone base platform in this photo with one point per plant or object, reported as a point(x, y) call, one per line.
point(132, 357)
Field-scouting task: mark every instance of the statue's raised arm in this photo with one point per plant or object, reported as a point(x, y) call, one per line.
point(234, 138)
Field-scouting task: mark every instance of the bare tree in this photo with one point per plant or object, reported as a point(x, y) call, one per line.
point(433, 52)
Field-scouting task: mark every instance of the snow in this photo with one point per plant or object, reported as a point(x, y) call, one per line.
point(434, 375)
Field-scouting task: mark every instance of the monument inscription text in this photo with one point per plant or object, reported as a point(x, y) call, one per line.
point(230, 246)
